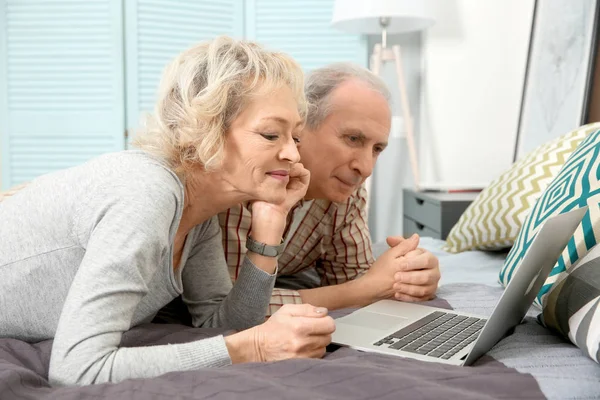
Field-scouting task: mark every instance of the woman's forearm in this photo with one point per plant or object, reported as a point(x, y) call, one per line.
point(246, 303)
point(242, 347)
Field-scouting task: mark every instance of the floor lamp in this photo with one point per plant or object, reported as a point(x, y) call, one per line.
point(383, 17)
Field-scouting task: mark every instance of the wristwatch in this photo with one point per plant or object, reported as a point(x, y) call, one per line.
point(264, 249)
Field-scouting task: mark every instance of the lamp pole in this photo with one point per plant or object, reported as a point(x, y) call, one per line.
point(382, 54)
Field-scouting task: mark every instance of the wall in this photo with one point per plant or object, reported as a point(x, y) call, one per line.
point(465, 78)
point(474, 62)
point(594, 110)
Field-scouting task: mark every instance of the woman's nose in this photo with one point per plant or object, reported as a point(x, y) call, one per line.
point(290, 151)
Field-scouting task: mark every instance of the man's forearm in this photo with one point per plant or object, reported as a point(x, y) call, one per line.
point(355, 293)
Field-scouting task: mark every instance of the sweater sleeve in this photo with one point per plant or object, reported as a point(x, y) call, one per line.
point(128, 228)
point(207, 289)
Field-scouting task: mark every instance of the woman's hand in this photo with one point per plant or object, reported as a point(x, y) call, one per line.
point(296, 187)
point(294, 331)
point(269, 219)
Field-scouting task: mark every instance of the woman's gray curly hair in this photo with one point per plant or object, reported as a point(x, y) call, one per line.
point(203, 90)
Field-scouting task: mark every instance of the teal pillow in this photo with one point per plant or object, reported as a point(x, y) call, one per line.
point(577, 184)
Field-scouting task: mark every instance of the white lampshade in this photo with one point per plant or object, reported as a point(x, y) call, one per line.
point(363, 16)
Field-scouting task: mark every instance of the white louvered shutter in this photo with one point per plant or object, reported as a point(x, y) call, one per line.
point(302, 28)
point(61, 84)
point(157, 30)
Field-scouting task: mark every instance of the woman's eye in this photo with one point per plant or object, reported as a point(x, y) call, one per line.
point(297, 140)
point(270, 136)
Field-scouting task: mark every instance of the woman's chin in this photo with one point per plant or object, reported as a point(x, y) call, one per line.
point(274, 196)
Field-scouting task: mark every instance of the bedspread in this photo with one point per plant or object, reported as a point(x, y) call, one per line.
point(531, 363)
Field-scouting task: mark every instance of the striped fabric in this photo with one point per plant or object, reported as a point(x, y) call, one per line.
point(331, 238)
point(576, 185)
point(493, 220)
point(572, 307)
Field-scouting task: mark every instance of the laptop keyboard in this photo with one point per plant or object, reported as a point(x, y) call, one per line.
point(438, 334)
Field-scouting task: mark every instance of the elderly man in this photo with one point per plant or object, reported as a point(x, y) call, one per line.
point(327, 237)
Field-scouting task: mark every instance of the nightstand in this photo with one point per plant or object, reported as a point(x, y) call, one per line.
point(433, 214)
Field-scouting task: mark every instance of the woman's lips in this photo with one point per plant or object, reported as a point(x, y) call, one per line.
point(280, 175)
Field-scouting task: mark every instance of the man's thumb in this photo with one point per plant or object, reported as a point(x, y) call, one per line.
point(406, 245)
point(394, 240)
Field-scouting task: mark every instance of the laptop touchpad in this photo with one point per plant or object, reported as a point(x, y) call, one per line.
point(374, 320)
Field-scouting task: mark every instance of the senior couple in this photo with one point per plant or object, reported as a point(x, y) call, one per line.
point(244, 173)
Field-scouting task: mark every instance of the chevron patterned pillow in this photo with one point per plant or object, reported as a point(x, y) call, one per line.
point(493, 220)
point(577, 184)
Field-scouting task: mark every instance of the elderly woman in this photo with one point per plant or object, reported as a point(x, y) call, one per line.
point(89, 252)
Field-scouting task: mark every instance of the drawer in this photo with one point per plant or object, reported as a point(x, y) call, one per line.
point(409, 227)
point(422, 210)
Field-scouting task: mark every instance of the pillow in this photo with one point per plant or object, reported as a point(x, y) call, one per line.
point(576, 185)
point(493, 220)
point(572, 306)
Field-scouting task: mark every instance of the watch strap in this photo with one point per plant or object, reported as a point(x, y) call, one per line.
point(264, 249)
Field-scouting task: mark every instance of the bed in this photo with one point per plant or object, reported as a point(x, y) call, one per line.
point(530, 363)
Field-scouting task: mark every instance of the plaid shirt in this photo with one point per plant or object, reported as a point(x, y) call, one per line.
point(332, 238)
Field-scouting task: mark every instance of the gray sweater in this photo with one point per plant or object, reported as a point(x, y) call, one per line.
point(86, 254)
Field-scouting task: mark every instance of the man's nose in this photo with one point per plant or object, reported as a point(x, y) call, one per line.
point(363, 163)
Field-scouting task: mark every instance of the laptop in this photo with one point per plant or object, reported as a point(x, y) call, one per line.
point(450, 337)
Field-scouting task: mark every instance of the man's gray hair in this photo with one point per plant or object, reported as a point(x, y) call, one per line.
point(321, 82)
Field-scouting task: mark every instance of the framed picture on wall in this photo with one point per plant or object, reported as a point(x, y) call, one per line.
point(559, 71)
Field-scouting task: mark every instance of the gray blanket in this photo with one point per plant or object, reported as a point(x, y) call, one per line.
point(531, 363)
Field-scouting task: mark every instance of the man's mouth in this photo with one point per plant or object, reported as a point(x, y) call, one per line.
point(349, 184)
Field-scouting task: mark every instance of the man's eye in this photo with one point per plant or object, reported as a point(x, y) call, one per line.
point(378, 150)
point(297, 140)
point(353, 139)
point(270, 136)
